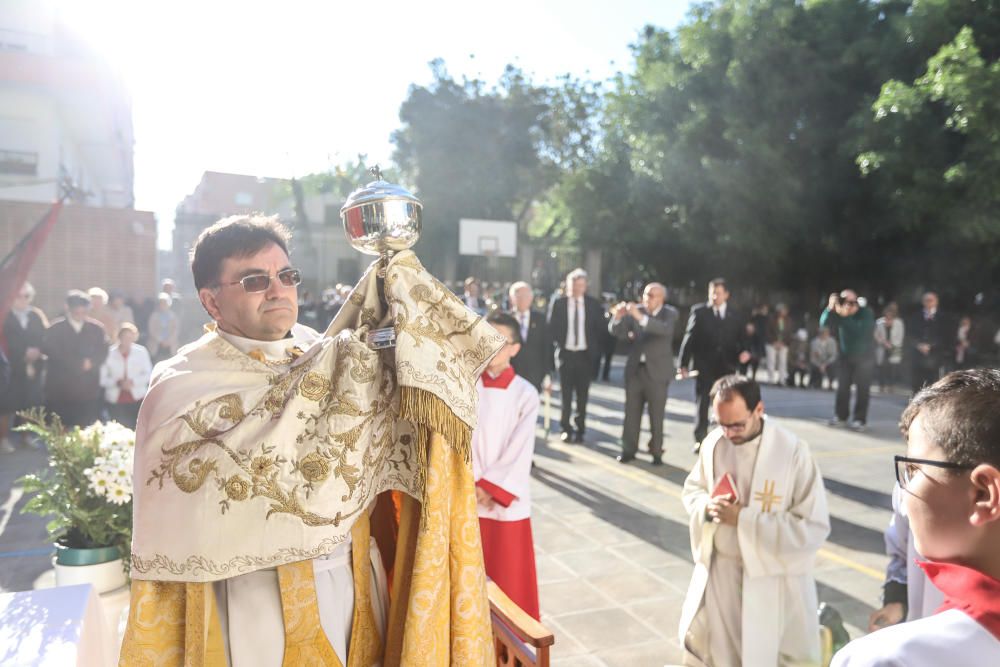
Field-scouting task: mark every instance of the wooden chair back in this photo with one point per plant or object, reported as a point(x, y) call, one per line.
point(519, 640)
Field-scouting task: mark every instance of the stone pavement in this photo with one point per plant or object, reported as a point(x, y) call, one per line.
point(612, 539)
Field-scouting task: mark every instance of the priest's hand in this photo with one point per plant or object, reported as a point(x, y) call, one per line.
point(724, 510)
point(890, 614)
point(484, 499)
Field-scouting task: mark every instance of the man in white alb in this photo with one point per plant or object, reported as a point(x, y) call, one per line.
point(752, 598)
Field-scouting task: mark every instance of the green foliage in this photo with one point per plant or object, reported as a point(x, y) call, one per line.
point(783, 143)
point(934, 153)
point(473, 152)
point(79, 517)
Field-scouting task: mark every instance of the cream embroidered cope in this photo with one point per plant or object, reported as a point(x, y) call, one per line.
point(243, 463)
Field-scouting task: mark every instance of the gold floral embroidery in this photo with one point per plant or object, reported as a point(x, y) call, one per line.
point(237, 488)
point(314, 467)
point(314, 386)
point(319, 437)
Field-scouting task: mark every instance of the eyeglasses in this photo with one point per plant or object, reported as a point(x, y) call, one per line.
point(735, 427)
point(907, 468)
point(259, 282)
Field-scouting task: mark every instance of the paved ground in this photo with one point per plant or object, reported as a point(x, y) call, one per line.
point(611, 540)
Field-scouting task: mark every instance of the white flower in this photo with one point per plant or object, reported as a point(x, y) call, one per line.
point(118, 494)
point(100, 485)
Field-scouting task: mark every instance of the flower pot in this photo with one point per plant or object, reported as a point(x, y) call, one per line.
point(101, 567)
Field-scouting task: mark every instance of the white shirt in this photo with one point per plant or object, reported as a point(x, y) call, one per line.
point(22, 316)
point(524, 319)
point(576, 339)
point(77, 326)
point(275, 350)
point(643, 321)
point(721, 310)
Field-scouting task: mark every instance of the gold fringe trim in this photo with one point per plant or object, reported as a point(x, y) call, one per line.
point(423, 409)
point(429, 415)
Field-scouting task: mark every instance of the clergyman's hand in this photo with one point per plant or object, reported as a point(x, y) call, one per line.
point(890, 614)
point(724, 510)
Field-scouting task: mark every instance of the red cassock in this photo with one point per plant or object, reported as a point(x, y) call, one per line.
point(502, 445)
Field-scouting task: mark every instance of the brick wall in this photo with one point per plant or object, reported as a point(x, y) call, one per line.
point(114, 249)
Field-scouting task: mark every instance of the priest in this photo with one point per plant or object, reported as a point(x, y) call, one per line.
point(284, 476)
point(752, 597)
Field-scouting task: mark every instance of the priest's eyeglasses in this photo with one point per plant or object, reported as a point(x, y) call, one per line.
point(259, 282)
point(907, 468)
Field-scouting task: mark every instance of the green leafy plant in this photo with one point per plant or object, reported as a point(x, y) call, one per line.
point(86, 489)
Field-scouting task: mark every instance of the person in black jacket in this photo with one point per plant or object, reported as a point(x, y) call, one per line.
point(23, 329)
point(576, 324)
point(535, 360)
point(74, 346)
point(714, 344)
point(930, 339)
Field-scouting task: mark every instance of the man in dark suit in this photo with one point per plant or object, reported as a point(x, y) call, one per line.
point(535, 360)
point(576, 324)
point(75, 349)
point(649, 368)
point(930, 338)
point(23, 330)
point(472, 298)
point(714, 343)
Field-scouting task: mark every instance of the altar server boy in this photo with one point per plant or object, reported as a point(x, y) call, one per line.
point(950, 477)
point(502, 446)
point(752, 598)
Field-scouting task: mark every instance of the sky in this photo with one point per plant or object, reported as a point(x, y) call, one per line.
point(288, 88)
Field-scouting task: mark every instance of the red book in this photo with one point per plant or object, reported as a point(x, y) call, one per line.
point(726, 487)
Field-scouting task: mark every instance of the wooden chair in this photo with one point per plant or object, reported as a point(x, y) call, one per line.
point(519, 640)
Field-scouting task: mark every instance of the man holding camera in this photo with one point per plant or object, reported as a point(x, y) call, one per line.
point(854, 325)
point(649, 327)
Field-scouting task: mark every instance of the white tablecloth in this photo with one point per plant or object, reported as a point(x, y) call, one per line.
point(57, 627)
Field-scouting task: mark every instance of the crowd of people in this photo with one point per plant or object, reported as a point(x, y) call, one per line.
point(93, 361)
point(755, 497)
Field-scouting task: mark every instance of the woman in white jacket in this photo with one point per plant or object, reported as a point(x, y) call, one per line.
point(125, 376)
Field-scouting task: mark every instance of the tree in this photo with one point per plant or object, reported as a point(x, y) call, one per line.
point(935, 155)
point(473, 152)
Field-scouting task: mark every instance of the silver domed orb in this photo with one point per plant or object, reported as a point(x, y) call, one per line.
point(381, 218)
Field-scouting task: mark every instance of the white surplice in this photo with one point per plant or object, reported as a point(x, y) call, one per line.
point(948, 639)
point(757, 577)
point(249, 605)
point(503, 443)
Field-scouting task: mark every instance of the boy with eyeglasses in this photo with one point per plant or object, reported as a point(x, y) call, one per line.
point(752, 597)
point(502, 445)
point(950, 478)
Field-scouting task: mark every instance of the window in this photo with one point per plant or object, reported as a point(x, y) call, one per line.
point(23, 163)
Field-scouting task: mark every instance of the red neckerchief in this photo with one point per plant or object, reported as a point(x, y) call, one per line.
point(970, 591)
point(501, 381)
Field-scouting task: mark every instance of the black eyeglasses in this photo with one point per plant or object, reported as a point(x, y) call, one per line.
point(907, 468)
point(259, 282)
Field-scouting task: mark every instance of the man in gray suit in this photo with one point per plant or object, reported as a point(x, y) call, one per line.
point(650, 366)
